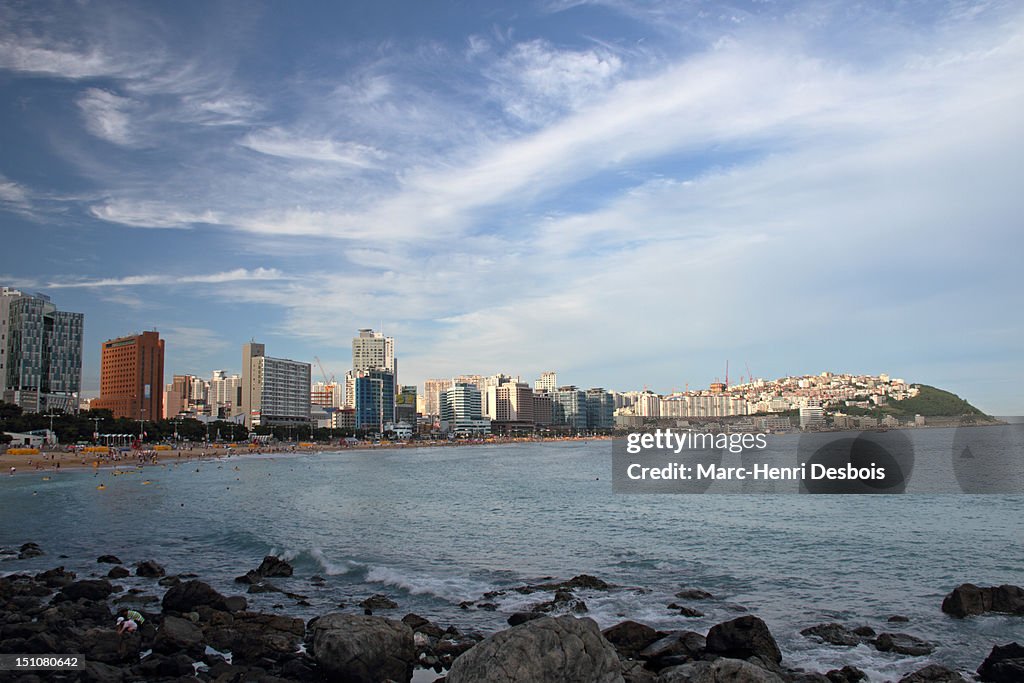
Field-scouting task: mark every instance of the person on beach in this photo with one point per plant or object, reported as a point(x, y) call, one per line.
point(129, 621)
point(12, 470)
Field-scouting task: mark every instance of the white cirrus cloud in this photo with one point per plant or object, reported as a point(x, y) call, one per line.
point(281, 143)
point(108, 116)
point(150, 214)
point(236, 275)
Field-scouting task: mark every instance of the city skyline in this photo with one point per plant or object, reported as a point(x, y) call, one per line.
point(634, 193)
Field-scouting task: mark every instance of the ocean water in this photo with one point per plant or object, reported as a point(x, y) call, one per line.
point(433, 527)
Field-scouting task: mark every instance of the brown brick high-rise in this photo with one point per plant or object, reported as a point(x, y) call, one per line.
point(132, 377)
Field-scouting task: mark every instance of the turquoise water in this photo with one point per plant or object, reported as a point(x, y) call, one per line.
point(434, 527)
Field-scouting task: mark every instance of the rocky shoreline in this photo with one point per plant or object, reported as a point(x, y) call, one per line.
point(194, 633)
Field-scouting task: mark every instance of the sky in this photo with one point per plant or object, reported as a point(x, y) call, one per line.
point(631, 193)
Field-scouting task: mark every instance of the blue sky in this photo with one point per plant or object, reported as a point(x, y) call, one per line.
point(630, 193)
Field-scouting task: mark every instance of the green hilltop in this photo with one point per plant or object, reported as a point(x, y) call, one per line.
point(934, 402)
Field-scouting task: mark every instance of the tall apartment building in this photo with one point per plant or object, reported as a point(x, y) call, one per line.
point(511, 407)
point(569, 408)
point(370, 350)
point(600, 409)
point(132, 377)
point(225, 394)
point(374, 399)
point(40, 353)
point(405, 405)
point(432, 390)
point(275, 391)
point(327, 394)
point(461, 412)
point(548, 381)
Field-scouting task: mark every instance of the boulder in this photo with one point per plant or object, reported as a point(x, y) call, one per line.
point(694, 594)
point(274, 566)
point(1005, 664)
point(933, 673)
point(118, 573)
point(28, 550)
point(56, 578)
point(541, 651)
point(98, 672)
point(630, 637)
point(563, 601)
point(903, 643)
point(378, 601)
point(834, 634)
point(743, 637)
point(362, 649)
point(253, 637)
point(186, 597)
point(523, 617)
point(690, 612)
point(178, 635)
point(235, 603)
point(108, 559)
point(149, 569)
point(90, 589)
point(967, 600)
point(848, 674)
point(723, 670)
point(674, 649)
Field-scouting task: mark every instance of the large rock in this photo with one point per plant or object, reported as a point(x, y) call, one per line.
point(630, 637)
point(743, 637)
point(722, 670)
point(1005, 664)
point(56, 578)
point(546, 650)
point(90, 589)
point(674, 649)
point(903, 644)
point(967, 600)
point(274, 566)
point(177, 635)
point(362, 649)
point(186, 597)
point(252, 636)
point(933, 673)
point(149, 569)
point(834, 634)
point(108, 559)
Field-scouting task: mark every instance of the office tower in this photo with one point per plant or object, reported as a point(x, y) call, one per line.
point(374, 399)
point(132, 377)
point(371, 350)
point(569, 408)
point(40, 353)
point(600, 409)
point(432, 389)
point(275, 391)
point(405, 405)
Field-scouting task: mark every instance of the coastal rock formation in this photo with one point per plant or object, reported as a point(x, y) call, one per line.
point(90, 589)
point(630, 637)
point(903, 644)
point(563, 602)
point(108, 559)
point(274, 566)
point(178, 635)
point(378, 601)
point(28, 550)
point(722, 670)
point(694, 594)
point(1005, 664)
point(149, 569)
point(547, 650)
point(834, 634)
point(118, 573)
point(967, 599)
point(933, 673)
point(743, 637)
point(362, 649)
point(186, 597)
point(674, 649)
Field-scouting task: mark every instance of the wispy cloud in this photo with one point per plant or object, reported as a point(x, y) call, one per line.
point(280, 143)
point(151, 214)
point(236, 275)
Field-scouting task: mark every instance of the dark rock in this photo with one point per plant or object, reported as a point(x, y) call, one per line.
point(585, 581)
point(362, 649)
point(118, 573)
point(933, 673)
point(149, 569)
point(848, 674)
point(898, 619)
point(172, 665)
point(1004, 664)
point(743, 637)
point(694, 594)
point(169, 581)
point(967, 600)
point(864, 631)
point(98, 672)
point(541, 651)
point(274, 566)
point(105, 645)
point(186, 597)
point(690, 612)
point(903, 644)
point(177, 635)
point(630, 637)
point(136, 599)
point(251, 576)
point(563, 602)
point(834, 634)
point(56, 578)
point(235, 603)
point(722, 670)
point(108, 559)
point(522, 617)
point(253, 637)
point(28, 550)
point(90, 589)
point(378, 601)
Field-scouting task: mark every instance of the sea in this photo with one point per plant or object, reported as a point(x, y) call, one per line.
point(436, 528)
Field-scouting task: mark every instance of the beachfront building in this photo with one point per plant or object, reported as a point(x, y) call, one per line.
point(600, 410)
point(224, 395)
point(132, 377)
point(510, 407)
point(374, 392)
point(542, 410)
point(569, 408)
point(405, 405)
point(432, 390)
point(372, 350)
point(461, 412)
point(275, 391)
point(548, 381)
point(40, 353)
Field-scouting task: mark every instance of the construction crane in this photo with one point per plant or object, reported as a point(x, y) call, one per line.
point(324, 372)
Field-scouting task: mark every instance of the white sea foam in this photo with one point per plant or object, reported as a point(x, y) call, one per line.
point(454, 589)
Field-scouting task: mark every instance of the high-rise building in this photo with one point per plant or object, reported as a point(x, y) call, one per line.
point(374, 399)
point(548, 381)
point(405, 405)
point(225, 394)
point(460, 412)
point(40, 353)
point(327, 394)
point(569, 408)
point(372, 350)
point(432, 390)
point(132, 377)
point(600, 409)
point(275, 391)
point(512, 404)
